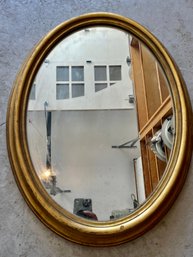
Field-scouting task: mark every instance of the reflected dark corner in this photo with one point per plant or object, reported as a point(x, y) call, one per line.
point(98, 138)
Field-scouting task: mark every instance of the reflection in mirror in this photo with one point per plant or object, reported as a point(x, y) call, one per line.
point(99, 123)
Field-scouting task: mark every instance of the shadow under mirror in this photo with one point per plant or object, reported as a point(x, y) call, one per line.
point(99, 123)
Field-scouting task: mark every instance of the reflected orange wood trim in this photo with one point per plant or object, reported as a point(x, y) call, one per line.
point(165, 107)
point(139, 86)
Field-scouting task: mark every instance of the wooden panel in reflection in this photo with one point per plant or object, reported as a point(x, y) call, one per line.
point(153, 103)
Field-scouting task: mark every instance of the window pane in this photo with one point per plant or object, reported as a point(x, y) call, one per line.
point(62, 73)
point(77, 73)
point(32, 95)
point(100, 73)
point(100, 86)
point(77, 90)
point(62, 91)
point(115, 72)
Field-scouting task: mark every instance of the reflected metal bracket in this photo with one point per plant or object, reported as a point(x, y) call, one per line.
point(52, 183)
point(129, 144)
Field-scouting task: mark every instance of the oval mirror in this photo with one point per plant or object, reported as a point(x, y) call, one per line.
point(99, 130)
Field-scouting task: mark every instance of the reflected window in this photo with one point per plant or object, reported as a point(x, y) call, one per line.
point(100, 73)
point(77, 73)
point(32, 95)
point(62, 91)
point(105, 76)
point(66, 76)
point(62, 73)
point(100, 86)
point(77, 90)
point(115, 72)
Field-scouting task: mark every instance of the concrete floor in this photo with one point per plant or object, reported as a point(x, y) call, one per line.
point(22, 24)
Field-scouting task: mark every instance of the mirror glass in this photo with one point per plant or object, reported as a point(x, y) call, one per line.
point(100, 127)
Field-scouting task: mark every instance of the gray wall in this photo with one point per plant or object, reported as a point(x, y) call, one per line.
point(22, 24)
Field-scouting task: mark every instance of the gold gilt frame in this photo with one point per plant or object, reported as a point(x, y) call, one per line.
point(48, 211)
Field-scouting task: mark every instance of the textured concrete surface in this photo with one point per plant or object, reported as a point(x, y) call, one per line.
point(22, 24)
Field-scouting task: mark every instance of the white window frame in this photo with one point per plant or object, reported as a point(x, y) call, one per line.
point(108, 81)
point(70, 82)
